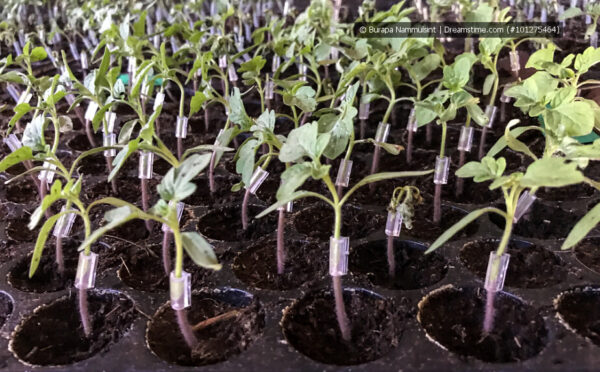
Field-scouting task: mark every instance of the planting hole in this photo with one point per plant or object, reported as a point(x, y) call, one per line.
point(413, 268)
point(317, 221)
point(587, 253)
point(453, 317)
point(310, 326)
point(531, 266)
point(579, 308)
point(304, 262)
point(22, 191)
point(218, 341)
point(225, 224)
point(53, 335)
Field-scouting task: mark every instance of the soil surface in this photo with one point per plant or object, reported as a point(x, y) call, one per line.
point(218, 341)
point(413, 268)
point(225, 224)
point(317, 221)
point(580, 309)
point(311, 327)
point(424, 227)
point(53, 334)
point(530, 266)
point(22, 191)
point(542, 221)
point(305, 261)
point(587, 253)
point(46, 277)
point(454, 318)
point(18, 231)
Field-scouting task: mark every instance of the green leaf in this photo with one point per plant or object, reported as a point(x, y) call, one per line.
point(582, 228)
point(237, 112)
point(292, 178)
point(538, 58)
point(448, 234)
point(41, 241)
point(551, 172)
point(295, 196)
point(33, 134)
point(501, 143)
point(570, 13)
point(577, 117)
point(245, 162)
point(139, 27)
point(426, 66)
point(38, 54)
point(19, 155)
point(122, 157)
point(199, 250)
point(176, 184)
point(487, 84)
point(197, 101)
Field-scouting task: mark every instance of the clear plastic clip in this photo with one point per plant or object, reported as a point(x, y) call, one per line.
point(594, 39)
point(525, 202)
point(363, 111)
point(442, 168)
point(47, 175)
point(276, 63)
point(343, 174)
point(179, 208)
point(159, 100)
point(181, 127)
point(74, 51)
point(258, 177)
point(496, 272)
point(393, 225)
point(269, 89)
point(83, 58)
point(490, 112)
point(383, 130)
point(85, 278)
point(465, 141)
point(64, 224)
point(515, 63)
point(90, 112)
point(411, 125)
point(338, 255)
point(110, 118)
point(233, 76)
point(108, 140)
point(180, 290)
point(223, 62)
point(146, 162)
point(13, 142)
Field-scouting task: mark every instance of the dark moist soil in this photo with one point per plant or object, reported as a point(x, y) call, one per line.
point(257, 265)
point(380, 195)
point(22, 191)
point(580, 309)
point(587, 253)
point(6, 307)
point(542, 221)
point(128, 188)
point(143, 270)
point(18, 231)
point(133, 231)
point(225, 224)
point(421, 160)
point(53, 334)
point(473, 192)
point(454, 318)
point(318, 221)
point(16, 169)
point(10, 250)
point(222, 195)
point(46, 277)
point(414, 269)
point(530, 266)
point(311, 327)
point(566, 193)
point(424, 228)
point(80, 142)
point(218, 341)
point(92, 165)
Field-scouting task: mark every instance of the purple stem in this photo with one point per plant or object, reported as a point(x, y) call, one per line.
point(113, 182)
point(409, 146)
point(245, 210)
point(144, 187)
point(206, 119)
point(281, 242)
point(88, 132)
point(375, 165)
point(428, 134)
point(60, 261)
point(179, 147)
point(186, 329)
point(84, 313)
point(166, 255)
point(340, 309)
point(437, 204)
point(391, 258)
point(211, 173)
point(363, 126)
point(460, 182)
point(482, 142)
point(502, 112)
point(488, 320)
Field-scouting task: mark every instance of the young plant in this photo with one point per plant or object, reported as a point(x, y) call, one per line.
point(174, 188)
point(304, 147)
point(442, 106)
point(516, 188)
point(400, 211)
